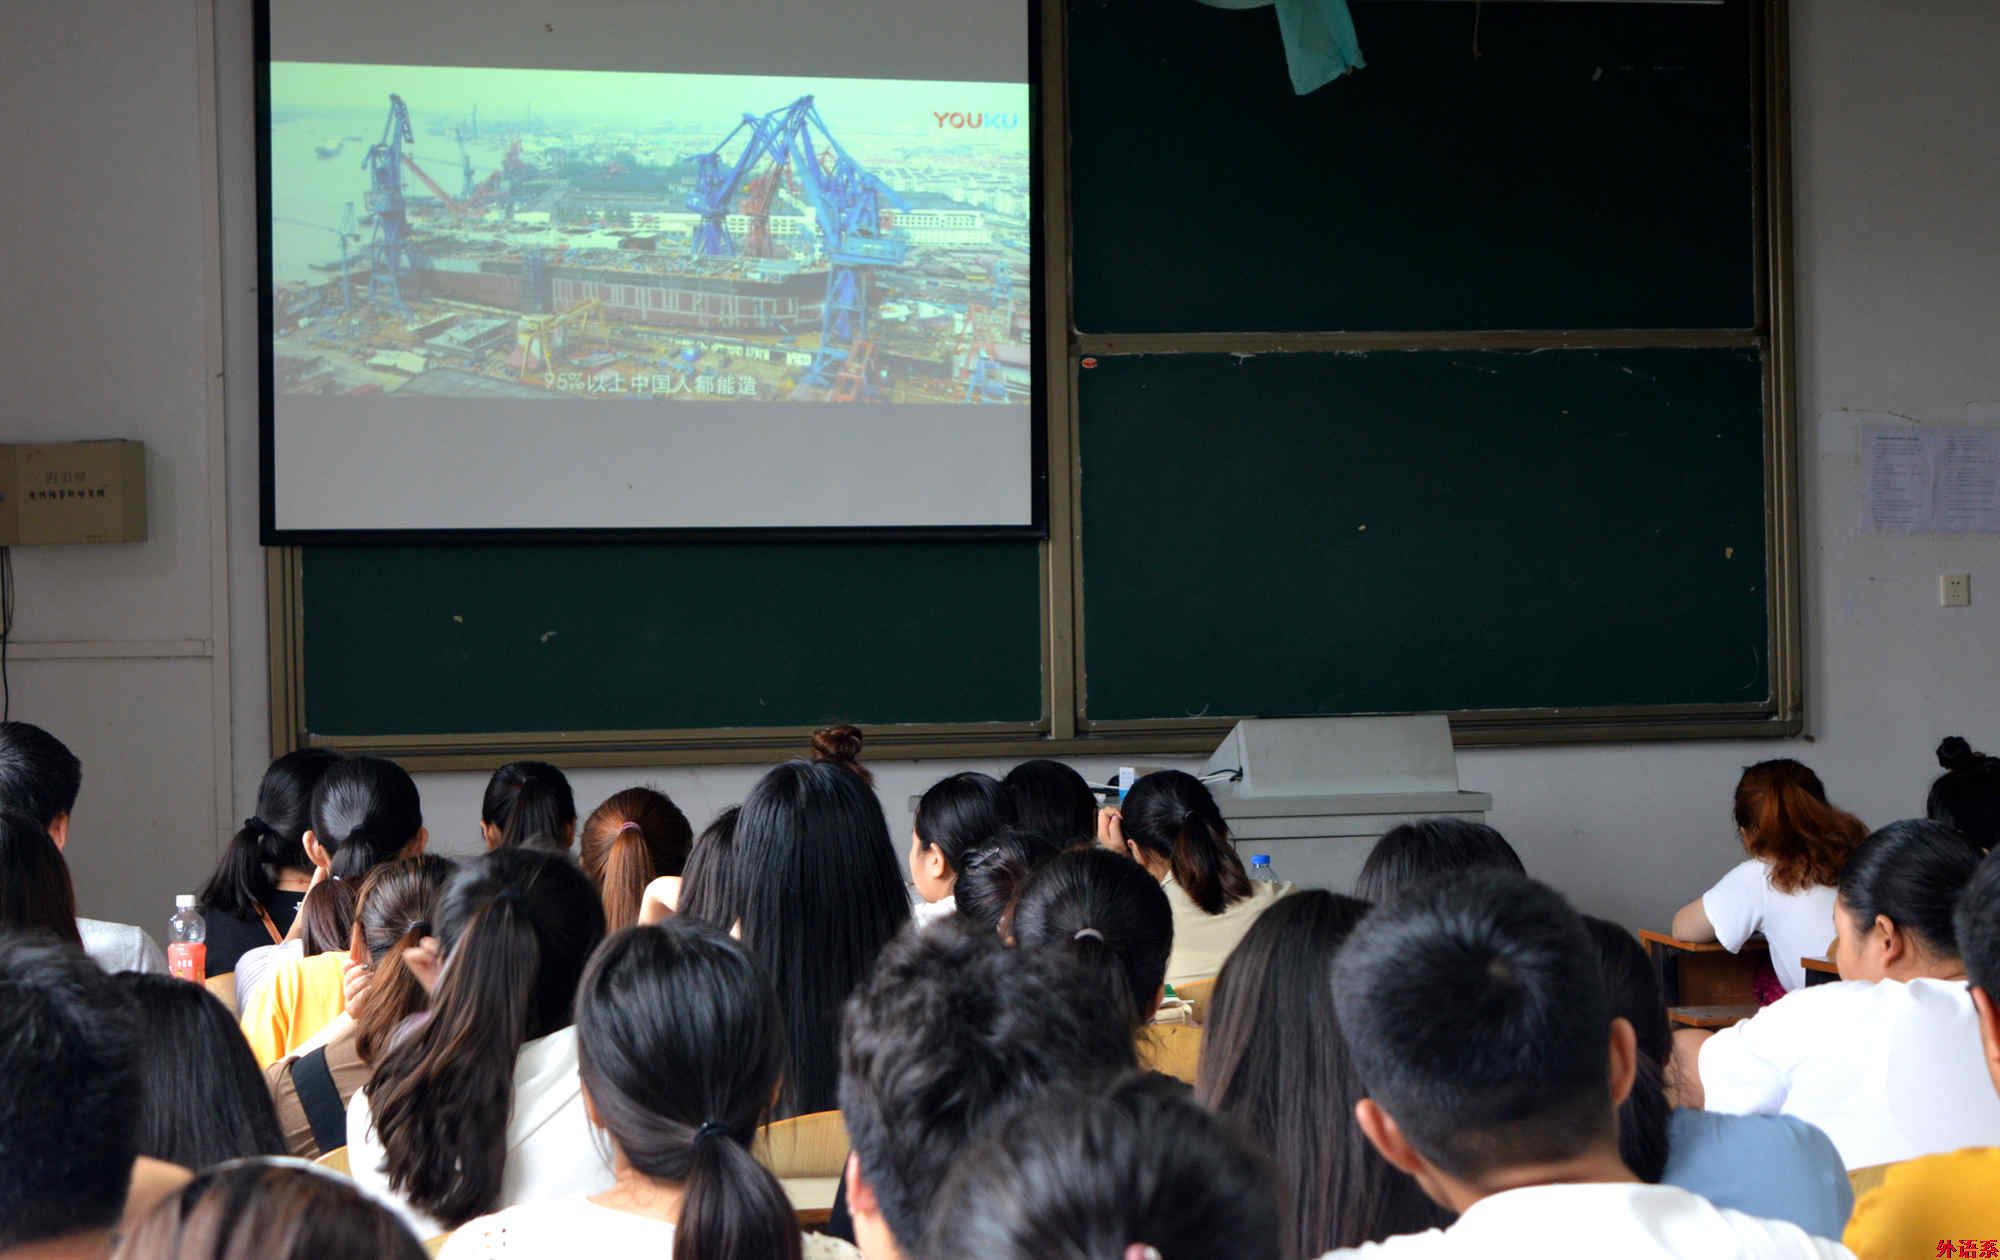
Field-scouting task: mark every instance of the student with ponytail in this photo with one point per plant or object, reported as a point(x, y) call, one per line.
point(1109, 915)
point(257, 887)
point(528, 803)
point(1169, 824)
point(680, 1044)
point(312, 1087)
point(1967, 794)
point(633, 838)
point(480, 1107)
point(1887, 1062)
point(365, 812)
point(1798, 845)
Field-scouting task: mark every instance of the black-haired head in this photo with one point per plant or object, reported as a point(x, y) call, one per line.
point(1415, 853)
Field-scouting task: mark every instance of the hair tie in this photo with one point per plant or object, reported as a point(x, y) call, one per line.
point(629, 826)
point(710, 1129)
point(1092, 933)
point(257, 825)
point(1142, 1251)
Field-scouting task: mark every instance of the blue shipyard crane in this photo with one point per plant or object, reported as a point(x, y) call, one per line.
point(389, 243)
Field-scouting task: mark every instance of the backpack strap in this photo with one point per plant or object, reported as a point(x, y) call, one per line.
point(321, 1100)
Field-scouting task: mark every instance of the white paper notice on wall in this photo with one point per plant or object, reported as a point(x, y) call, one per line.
point(1930, 480)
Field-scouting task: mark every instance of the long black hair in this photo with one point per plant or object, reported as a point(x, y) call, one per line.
point(1634, 993)
point(1051, 798)
point(516, 927)
point(708, 881)
point(1273, 1060)
point(1967, 794)
point(681, 1045)
point(530, 803)
point(820, 891)
point(992, 875)
point(1094, 1173)
point(365, 812)
point(202, 1099)
point(36, 894)
point(271, 840)
point(1911, 873)
point(1170, 814)
point(961, 813)
point(1104, 910)
point(1414, 853)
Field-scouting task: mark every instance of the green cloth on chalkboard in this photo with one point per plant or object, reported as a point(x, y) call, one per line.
point(1320, 44)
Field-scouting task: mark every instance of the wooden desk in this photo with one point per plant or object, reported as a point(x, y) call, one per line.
point(1704, 984)
point(1819, 971)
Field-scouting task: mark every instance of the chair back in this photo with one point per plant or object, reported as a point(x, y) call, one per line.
point(1172, 1049)
point(335, 1161)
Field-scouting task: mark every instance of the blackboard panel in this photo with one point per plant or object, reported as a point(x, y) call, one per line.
point(1591, 168)
point(430, 640)
point(1412, 531)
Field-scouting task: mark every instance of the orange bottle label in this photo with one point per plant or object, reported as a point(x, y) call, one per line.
point(188, 960)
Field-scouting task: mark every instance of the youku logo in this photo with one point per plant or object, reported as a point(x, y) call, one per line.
point(958, 120)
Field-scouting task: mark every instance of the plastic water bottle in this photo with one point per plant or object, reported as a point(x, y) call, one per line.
point(1260, 869)
point(187, 941)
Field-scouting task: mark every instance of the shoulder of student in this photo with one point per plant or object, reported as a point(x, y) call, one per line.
point(120, 946)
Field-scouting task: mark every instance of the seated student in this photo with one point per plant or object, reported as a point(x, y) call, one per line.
point(1170, 825)
point(1107, 913)
point(35, 890)
point(1886, 1062)
point(201, 1100)
point(40, 777)
point(955, 816)
point(528, 803)
point(991, 876)
point(633, 838)
point(1798, 845)
point(312, 1087)
point(680, 1042)
point(270, 1210)
point(365, 812)
point(1777, 1167)
point(1414, 853)
point(1136, 1172)
point(254, 893)
point(705, 890)
point(1274, 1062)
point(1955, 1195)
point(951, 1030)
point(1967, 795)
point(479, 1107)
point(69, 1105)
point(1494, 1069)
point(1051, 799)
point(818, 892)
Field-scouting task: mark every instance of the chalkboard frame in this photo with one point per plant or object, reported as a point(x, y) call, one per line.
point(1064, 728)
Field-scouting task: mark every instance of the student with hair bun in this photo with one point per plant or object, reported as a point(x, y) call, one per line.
point(1108, 914)
point(841, 746)
point(1886, 1062)
point(365, 812)
point(1136, 1172)
point(680, 1043)
point(1967, 794)
point(1169, 824)
point(1798, 845)
point(528, 803)
point(256, 889)
point(990, 877)
point(955, 817)
point(479, 1107)
point(635, 837)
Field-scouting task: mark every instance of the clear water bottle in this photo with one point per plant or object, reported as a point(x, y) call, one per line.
point(1260, 869)
point(187, 941)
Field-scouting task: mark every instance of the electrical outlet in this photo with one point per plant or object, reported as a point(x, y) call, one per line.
point(1955, 590)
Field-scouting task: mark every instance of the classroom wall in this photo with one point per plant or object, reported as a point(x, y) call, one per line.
point(1898, 272)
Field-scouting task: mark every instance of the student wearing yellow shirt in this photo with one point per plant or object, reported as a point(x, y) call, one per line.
point(1953, 1198)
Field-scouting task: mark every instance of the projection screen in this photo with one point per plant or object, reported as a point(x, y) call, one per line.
point(617, 266)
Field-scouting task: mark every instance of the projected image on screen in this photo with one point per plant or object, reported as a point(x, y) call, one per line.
point(493, 234)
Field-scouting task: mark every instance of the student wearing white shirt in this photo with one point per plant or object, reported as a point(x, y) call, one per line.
point(1798, 845)
point(1887, 1062)
point(481, 1107)
point(680, 1042)
point(40, 779)
point(955, 817)
point(1494, 1068)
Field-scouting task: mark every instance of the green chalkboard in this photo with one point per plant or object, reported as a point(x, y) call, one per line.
point(1590, 166)
point(1414, 531)
point(476, 639)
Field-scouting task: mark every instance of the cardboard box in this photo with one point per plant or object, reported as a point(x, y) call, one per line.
point(72, 492)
